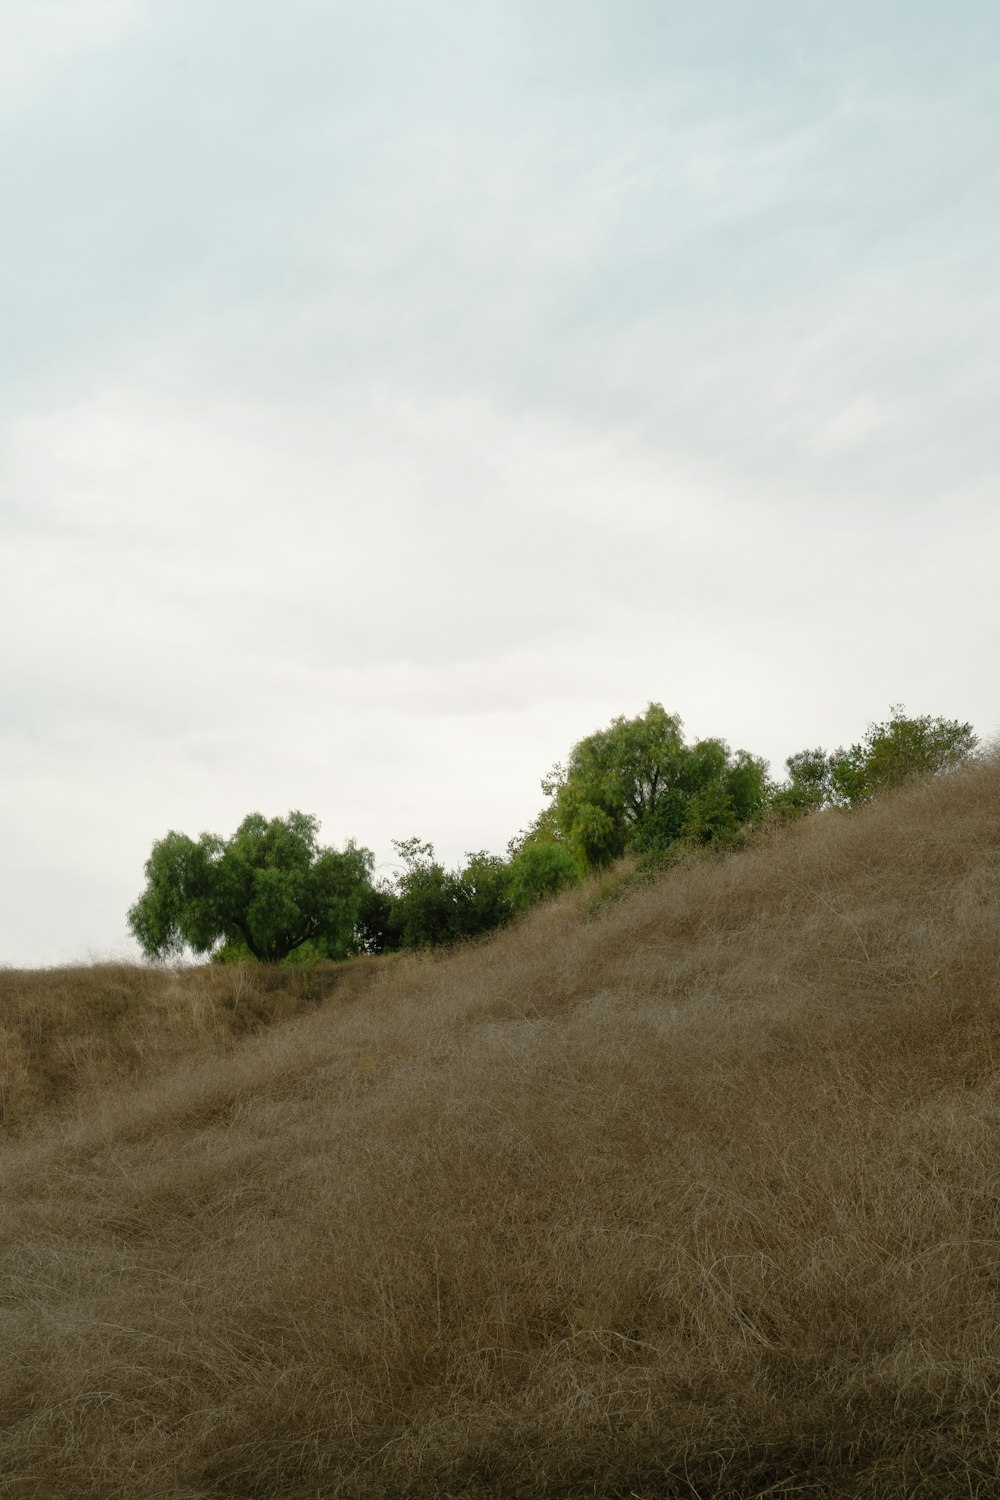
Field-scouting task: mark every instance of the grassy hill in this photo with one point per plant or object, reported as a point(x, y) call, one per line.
point(696, 1197)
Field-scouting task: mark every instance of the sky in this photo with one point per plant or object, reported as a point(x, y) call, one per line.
point(391, 394)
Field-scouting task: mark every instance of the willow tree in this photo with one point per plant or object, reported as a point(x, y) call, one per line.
point(265, 893)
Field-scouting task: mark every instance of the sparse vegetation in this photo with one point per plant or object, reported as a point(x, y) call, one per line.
point(699, 1198)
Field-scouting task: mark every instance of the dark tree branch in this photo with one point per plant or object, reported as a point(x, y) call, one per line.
point(238, 922)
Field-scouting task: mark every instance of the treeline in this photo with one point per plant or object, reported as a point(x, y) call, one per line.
point(637, 788)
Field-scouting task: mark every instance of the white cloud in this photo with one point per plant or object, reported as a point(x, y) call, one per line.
point(393, 395)
point(855, 424)
point(40, 38)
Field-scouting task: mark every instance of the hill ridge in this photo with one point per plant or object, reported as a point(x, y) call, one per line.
point(696, 1196)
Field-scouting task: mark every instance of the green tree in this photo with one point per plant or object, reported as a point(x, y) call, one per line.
point(809, 785)
point(636, 786)
point(265, 893)
point(431, 905)
point(482, 892)
point(540, 868)
point(889, 754)
point(379, 919)
point(894, 751)
point(424, 913)
point(710, 816)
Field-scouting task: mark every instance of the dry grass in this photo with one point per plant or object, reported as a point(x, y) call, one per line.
point(66, 1032)
point(700, 1199)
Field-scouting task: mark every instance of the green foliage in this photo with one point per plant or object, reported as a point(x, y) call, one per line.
point(634, 789)
point(379, 920)
point(482, 891)
point(267, 893)
point(889, 754)
point(809, 785)
point(425, 897)
point(895, 750)
point(637, 787)
point(429, 905)
point(543, 829)
point(540, 869)
point(746, 781)
point(710, 816)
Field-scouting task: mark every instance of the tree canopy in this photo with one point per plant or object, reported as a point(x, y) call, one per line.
point(429, 905)
point(267, 892)
point(890, 753)
point(637, 786)
point(271, 893)
point(894, 751)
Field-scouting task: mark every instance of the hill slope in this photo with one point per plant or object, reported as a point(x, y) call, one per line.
point(699, 1198)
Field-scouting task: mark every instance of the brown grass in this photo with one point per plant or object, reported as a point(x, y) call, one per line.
point(699, 1199)
point(66, 1032)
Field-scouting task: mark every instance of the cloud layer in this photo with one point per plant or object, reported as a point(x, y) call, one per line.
point(392, 395)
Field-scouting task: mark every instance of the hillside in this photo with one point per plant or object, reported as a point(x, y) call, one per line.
point(696, 1197)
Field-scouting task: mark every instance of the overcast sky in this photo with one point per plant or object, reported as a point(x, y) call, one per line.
point(393, 393)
